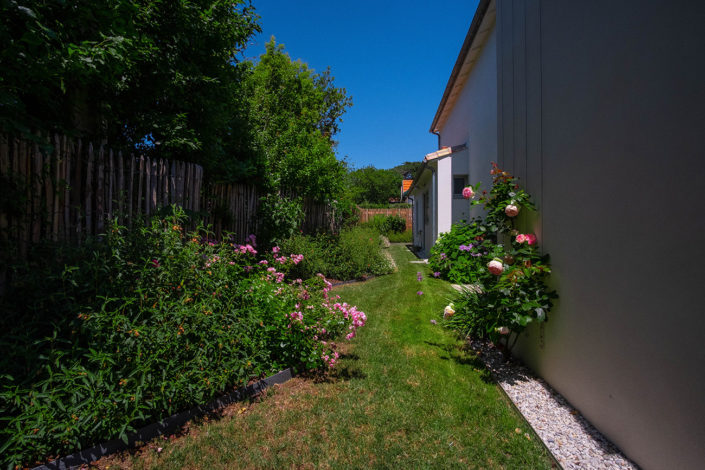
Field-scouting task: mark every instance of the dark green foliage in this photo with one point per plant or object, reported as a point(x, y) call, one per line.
point(354, 253)
point(407, 169)
point(386, 224)
point(140, 73)
point(102, 339)
point(400, 237)
point(280, 218)
point(373, 185)
point(451, 257)
point(164, 78)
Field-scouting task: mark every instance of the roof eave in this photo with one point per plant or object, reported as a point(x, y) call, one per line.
point(467, 44)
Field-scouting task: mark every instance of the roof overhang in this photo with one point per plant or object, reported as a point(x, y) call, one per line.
point(481, 26)
point(431, 159)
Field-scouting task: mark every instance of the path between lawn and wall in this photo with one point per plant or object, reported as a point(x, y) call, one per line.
point(406, 394)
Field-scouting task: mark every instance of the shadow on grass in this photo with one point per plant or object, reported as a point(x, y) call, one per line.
point(346, 369)
point(466, 356)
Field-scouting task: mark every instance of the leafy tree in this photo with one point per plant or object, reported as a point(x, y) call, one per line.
point(373, 185)
point(292, 115)
point(407, 168)
point(145, 73)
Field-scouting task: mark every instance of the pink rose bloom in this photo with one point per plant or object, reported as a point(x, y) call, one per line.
point(502, 330)
point(511, 210)
point(530, 239)
point(521, 238)
point(495, 266)
point(275, 250)
point(468, 192)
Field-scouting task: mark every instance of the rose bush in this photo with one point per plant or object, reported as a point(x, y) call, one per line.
point(509, 288)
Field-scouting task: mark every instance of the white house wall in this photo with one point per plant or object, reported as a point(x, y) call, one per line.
point(444, 210)
point(473, 121)
point(602, 113)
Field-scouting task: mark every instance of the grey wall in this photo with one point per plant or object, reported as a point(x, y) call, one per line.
point(602, 113)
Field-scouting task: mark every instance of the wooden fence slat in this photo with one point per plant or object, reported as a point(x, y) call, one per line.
point(111, 183)
point(77, 191)
point(66, 222)
point(5, 173)
point(141, 176)
point(89, 191)
point(57, 163)
point(36, 200)
point(100, 192)
point(147, 185)
point(120, 193)
point(153, 187)
point(130, 195)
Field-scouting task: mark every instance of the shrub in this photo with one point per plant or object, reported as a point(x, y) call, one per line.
point(354, 253)
point(400, 237)
point(152, 321)
point(280, 218)
point(387, 224)
point(510, 289)
point(461, 255)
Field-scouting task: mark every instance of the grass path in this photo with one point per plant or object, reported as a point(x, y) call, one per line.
point(405, 395)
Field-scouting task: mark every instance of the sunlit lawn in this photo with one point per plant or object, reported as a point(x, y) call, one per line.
point(405, 395)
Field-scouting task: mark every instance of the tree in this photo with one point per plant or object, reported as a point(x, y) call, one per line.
point(407, 168)
point(141, 73)
point(292, 115)
point(372, 185)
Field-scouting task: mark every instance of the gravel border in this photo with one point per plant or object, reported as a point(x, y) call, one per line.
point(573, 441)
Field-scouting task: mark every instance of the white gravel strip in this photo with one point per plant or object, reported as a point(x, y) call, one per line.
point(572, 440)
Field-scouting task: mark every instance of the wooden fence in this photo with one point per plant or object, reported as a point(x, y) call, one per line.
point(70, 192)
point(233, 208)
point(403, 212)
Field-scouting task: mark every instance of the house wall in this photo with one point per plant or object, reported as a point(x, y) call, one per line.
point(445, 195)
point(602, 114)
point(473, 121)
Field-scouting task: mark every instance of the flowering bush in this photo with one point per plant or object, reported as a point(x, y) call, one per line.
point(510, 289)
point(150, 322)
point(459, 255)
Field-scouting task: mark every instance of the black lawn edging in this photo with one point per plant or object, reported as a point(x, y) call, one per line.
point(166, 425)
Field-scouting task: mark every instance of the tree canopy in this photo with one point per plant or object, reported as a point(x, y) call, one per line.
point(136, 72)
point(292, 115)
point(166, 78)
point(373, 185)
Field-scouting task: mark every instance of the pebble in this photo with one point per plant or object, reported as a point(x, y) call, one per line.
point(573, 441)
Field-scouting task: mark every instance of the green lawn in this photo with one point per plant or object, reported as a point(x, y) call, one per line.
point(405, 395)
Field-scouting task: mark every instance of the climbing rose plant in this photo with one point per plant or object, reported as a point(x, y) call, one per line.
point(507, 272)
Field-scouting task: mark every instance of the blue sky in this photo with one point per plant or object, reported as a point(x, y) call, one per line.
point(393, 57)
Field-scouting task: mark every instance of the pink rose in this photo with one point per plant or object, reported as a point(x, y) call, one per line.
point(495, 266)
point(521, 238)
point(468, 192)
point(530, 239)
point(511, 210)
